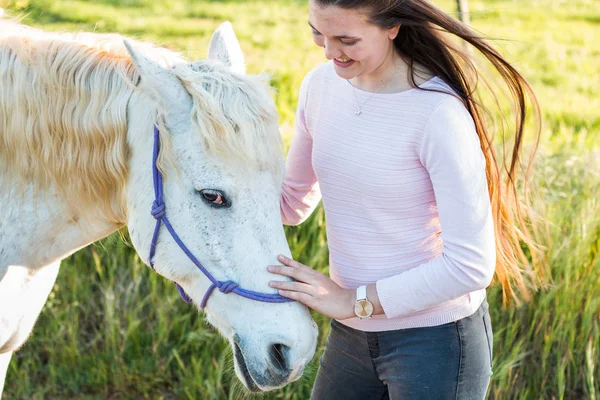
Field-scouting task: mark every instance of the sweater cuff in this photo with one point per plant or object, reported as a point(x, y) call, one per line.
point(392, 301)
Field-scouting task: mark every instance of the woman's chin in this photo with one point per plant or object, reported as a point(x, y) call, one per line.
point(346, 73)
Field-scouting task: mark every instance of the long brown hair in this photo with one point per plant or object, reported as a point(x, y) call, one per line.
point(423, 42)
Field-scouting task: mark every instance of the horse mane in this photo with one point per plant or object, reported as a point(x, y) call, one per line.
point(234, 113)
point(63, 114)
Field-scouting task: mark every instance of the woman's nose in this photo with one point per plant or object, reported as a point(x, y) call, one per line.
point(331, 51)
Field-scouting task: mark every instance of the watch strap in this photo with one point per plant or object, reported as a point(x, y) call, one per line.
point(361, 293)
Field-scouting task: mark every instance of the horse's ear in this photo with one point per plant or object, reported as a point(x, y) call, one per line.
point(163, 86)
point(225, 47)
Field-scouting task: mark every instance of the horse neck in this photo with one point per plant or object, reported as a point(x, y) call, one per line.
point(48, 231)
point(53, 230)
point(44, 231)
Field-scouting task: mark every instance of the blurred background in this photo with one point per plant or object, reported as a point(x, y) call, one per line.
point(112, 329)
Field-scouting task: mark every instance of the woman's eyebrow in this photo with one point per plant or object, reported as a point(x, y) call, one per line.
point(337, 37)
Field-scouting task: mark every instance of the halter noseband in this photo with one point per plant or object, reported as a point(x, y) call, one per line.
point(158, 212)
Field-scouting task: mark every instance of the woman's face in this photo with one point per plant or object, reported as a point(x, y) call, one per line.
point(357, 47)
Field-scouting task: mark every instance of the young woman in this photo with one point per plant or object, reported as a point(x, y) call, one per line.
point(390, 135)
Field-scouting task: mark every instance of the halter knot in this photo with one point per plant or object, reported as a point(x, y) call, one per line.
point(227, 287)
point(158, 210)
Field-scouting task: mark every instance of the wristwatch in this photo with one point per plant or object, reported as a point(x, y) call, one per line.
point(363, 308)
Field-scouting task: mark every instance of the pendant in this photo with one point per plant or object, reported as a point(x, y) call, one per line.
point(357, 112)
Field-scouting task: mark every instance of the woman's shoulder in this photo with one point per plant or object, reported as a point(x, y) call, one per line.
point(445, 99)
point(448, 117)
point(439, 100)
point(437, 93)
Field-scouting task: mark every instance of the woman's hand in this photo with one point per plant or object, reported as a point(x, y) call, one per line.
point(313, 289)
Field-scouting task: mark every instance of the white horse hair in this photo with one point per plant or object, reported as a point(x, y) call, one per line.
point(76, 124)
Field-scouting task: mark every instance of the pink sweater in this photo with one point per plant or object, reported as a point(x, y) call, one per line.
point(405, 196)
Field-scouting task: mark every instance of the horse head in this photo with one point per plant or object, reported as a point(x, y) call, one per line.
point(222, 166)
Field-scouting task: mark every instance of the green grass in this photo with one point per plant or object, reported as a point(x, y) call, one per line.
point(113, 329)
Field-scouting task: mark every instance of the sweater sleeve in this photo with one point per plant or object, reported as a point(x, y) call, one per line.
point(300, 192)
point(452, 155)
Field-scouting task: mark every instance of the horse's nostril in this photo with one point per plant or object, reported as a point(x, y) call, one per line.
point(279, 356)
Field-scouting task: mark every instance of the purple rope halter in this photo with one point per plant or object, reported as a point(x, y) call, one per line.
point(158, 212)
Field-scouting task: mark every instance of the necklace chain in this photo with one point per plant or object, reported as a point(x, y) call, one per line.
point(358, 105)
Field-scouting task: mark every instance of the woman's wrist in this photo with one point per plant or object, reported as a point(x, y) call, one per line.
point(350, 300)
point(371, 296)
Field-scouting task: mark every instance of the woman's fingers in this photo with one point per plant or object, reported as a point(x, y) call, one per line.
point(293, 269)
point(290, 262)
point(293, 286)
point(312, 289)
point(303, 298)
point(295, 273)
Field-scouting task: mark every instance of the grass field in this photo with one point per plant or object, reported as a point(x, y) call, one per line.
point(113, 329)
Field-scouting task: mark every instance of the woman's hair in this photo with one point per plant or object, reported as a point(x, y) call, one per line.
point(424, 41)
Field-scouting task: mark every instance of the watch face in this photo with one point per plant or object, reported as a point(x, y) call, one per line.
point(363, 308)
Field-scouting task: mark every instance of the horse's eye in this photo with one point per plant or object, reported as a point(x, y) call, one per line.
point(215, 198)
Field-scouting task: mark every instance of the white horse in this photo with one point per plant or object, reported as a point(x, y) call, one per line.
point(77, 118)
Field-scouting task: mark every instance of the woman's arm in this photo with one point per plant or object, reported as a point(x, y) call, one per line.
point(451, 153)
point(300, 192)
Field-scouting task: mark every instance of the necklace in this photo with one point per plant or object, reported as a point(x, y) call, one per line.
point(358, 104)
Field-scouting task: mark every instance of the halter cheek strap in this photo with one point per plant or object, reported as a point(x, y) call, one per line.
point(159, 213)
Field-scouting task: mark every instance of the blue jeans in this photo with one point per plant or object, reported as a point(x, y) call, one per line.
point(450, 361)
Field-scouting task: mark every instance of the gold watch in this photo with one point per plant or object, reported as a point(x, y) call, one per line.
point(363, 308)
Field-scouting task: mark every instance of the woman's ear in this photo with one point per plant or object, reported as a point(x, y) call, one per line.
point(393, 32)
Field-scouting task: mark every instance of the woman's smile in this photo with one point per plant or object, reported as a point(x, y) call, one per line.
point(343, 62)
